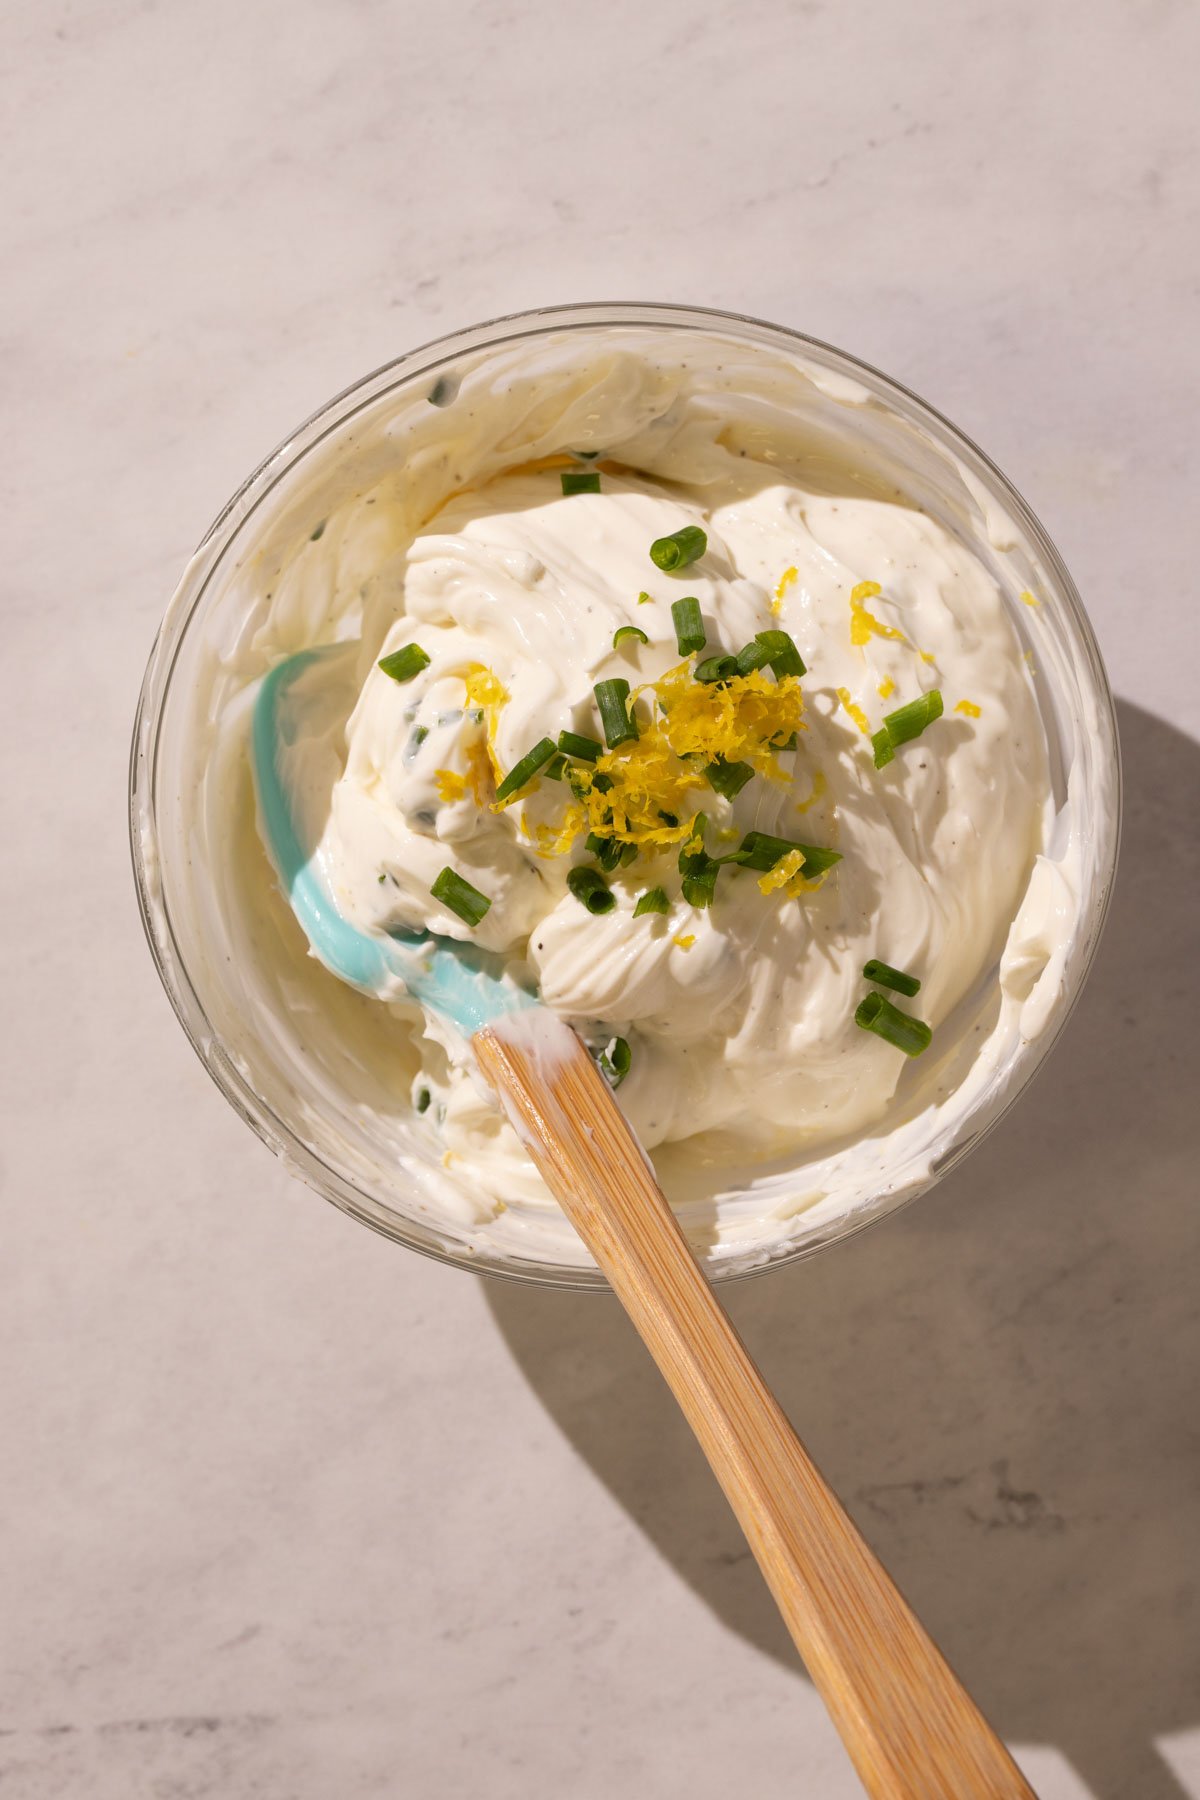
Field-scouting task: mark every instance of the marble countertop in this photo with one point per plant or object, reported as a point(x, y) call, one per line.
point(289, 1512)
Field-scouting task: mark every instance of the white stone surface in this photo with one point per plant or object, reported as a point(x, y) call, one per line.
point(289, 1512)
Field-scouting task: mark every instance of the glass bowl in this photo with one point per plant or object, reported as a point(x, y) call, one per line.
point(255, 1052)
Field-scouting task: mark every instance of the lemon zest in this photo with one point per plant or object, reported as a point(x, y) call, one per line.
point(685, 943)
point(864, 624)
point(926, 656)
point(887, 688)
point(782, 873)
point(856, 712)
point(556, 840)
point(479, 771)
point(1029, 599)
point(819, 788)
point(969, 707)
point(693, 724)
point(790, 574)
point(451, 785)
point(486, 690)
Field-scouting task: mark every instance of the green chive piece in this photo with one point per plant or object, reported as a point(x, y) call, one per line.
point(653, 901)
point(817, 859)
point(587, 749)
point(580, 481)
point(790, 743)
point(689, 626)
point(629, 631)
point(752, 656)
point(698, 869)
point(607, 851)
point(883, 975)
point(319, 532)
point(443, 391)
point(614, 1061)
point(783, 657)
point(728, 778)
point(895, 1027)
point(612, 697)
point(759, 850)
point(524, 771)
point(586, 456)
point(591, 890)
point(465, 901)
point(602, 783)
point(645, 599)
point(553, 770)
point(716, 668)
point(403, 664)
point(699, 888)
point(629, 854)
point(680, 549)
point(881, 744)
point(908, 722)
point(423, 1098)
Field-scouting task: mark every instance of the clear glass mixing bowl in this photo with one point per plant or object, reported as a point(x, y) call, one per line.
point(898, 437)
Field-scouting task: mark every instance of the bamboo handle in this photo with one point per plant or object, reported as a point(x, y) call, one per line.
point(910, 1727)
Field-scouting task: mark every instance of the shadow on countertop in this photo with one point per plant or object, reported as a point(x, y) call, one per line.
point(1001, 1381)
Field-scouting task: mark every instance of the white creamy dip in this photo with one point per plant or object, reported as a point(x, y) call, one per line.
point(750, 1083)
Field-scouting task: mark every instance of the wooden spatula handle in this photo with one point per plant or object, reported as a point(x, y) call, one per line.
point(909, 1725)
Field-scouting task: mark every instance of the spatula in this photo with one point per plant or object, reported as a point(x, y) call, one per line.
point(909, 1725)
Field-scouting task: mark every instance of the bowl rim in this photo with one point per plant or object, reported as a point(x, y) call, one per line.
point(331, 417)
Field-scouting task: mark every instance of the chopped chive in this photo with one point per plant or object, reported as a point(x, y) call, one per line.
point(524, 771)
point(629, 854)
point(728, 778)
point(668, 818)
point(443, 391)
point(553, 770)
point(612, 697)
point(645, 599)
point(614, 1061)
point(580, 481)
point(699, 888)
point(319, 532)
point(698, 869)
point(759, 850)
point(602, 783)
point(607, 851)
point(883, 975)
point(782, 655)
point(906, 723)
point(460, 897)
point(629, 631)
point(881, 744)
point(895, 1027)
point(817, 859)
point(689, 626)
point(790, 743)
point(423, 1098)
point(752, 656)
point(680, 549)
point(653, 901)
point(716, 668)
point(591, 890)
point(586, 456)
point(403, 664)
point(587, 749)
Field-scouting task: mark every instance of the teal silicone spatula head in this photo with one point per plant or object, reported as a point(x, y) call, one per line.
point(463, 984)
